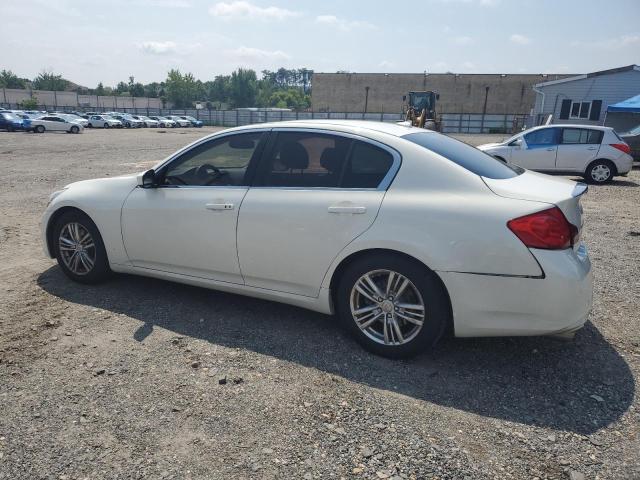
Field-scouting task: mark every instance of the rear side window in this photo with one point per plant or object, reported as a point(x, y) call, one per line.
point(367, 166)
point(571, 136)
point(464, 155)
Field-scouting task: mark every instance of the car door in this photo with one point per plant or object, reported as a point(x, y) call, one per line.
point(58, 124)
point(314, 192)
point(538, 150)
point(578, 147)
point(187, 223)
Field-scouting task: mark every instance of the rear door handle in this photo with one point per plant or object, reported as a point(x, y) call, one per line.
point(592, 148)
point(550, 149)
point(346, 209)
point(219, 206)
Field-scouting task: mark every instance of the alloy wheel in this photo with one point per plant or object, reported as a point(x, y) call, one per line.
point(77, 248)
point(387, 307)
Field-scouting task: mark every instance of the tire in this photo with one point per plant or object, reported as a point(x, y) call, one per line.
point(600, 172)
point(403, 338)
point(106, 125)
point(89, 125)
point(77, 267)
point(10, 128)
point(39, 129)
point(128, 125)
point(430, 125)
point(75, 129)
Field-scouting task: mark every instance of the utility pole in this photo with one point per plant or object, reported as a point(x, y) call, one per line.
point(484, 108)
point(366, 98)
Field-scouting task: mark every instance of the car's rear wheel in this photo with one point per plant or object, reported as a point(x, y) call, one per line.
point(106, 125)
point(600, 171)
point(89, 125)
point(79, 248)
point(39, 129)
point(392, 305)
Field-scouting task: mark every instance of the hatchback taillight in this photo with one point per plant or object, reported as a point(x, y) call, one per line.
point(548, 229)
point(623, 147)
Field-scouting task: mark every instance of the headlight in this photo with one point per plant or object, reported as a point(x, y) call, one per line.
point(53, 196)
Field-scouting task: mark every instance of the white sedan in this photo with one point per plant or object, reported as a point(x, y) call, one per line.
point(104, 121)
point(180, 122)
point(597, 153)
point(54, 123)
point(405, 234)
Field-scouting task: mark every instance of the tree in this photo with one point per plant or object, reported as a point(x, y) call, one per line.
point(29, 103)
point(8, 79)
point(100, 89)
point(181, 90)
point(293, 98)
point(244, 88)
point(50, 81)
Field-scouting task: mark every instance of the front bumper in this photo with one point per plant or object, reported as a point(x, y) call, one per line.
point(490, 305)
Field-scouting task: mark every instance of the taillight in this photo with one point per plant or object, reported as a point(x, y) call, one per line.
point(623, 147)
point(548, 229)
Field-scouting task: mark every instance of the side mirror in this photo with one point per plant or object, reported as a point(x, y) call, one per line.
point(147, 179)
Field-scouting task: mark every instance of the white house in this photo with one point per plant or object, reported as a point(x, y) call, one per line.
point(584, 98)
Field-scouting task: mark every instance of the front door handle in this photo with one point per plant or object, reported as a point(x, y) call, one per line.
point(219, 206)
point(592, 148)
point(346, 209)
point(551, 149)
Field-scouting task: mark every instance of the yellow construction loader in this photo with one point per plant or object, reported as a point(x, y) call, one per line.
point(421, 110)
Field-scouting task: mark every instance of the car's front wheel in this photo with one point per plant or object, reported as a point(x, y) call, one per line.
point(79, 248)
point(393, 306)
point(39, 129)
point(600, 171)
point(75, 129)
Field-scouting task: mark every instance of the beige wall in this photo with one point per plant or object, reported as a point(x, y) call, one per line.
point(72, 99)
point(345, 92)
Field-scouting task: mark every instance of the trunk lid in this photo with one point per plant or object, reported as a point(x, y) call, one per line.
point(538, 187)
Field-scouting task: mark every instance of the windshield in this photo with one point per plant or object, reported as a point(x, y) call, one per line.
point(9, 116)
point(422, 100)
point(464, 155)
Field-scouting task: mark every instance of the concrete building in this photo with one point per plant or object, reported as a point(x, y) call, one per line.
point(459, 93)
point(584, 98)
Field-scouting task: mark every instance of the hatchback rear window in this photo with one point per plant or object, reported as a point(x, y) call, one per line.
point(465, 155)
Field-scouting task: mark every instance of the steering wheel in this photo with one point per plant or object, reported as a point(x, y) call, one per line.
point(207, 173)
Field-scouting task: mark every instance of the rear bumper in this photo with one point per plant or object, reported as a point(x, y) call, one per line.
point(489, 305)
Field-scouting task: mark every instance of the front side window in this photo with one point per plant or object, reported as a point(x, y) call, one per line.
point(581, 136)
point(541, 138)
point(218, 162)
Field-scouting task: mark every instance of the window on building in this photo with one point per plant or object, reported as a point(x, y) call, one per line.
point(580, 109)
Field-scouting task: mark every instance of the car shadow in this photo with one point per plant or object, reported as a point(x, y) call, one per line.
point(580, 386)
point(616, 182)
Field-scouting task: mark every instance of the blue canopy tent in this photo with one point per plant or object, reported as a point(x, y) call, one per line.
point(629, 105)
point(625, 115)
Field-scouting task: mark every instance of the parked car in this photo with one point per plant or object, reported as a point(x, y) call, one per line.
point(180, 122)
point(54, 123)
point(104, 121)
point(148, 122)
point(128, 121)
point(596, 153)
point(404, 233)
point(164, 122)
point(10, 122)
point(632, 138)
point(194, 121)
point(75, 118)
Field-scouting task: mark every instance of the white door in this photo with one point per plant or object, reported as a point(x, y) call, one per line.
point(578, 147)
point(313, 194)
point(538, 150)
point(58, 124)
point(187, 224)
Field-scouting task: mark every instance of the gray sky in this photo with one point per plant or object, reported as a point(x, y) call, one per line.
point(88, 41)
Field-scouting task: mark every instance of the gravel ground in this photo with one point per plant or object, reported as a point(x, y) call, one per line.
point(140, 378)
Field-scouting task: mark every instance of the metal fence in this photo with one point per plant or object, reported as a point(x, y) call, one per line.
point(450, 122)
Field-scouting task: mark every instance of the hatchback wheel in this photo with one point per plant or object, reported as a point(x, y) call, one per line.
point(39, 129)
point(75, 129)
point(600, 171)
point(393, 306)
point(79, 248)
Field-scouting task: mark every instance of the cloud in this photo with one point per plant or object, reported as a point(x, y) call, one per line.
point(613, 43)
point(168, 48)
point(257, 55)
point(519, 39)
point(342, 24)
point(386, 64)
point(164, 3)
point(242, 9)
point(463, 40)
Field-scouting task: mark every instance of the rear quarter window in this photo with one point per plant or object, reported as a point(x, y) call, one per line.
point(464, 155)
